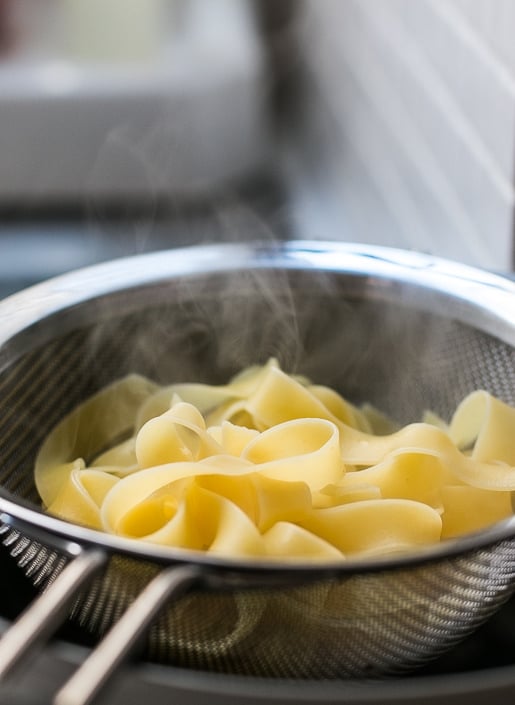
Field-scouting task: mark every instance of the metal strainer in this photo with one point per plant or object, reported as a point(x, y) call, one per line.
point(404, 331)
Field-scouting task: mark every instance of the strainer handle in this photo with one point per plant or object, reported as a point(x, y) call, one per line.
point(48, 611)
point(125, 635)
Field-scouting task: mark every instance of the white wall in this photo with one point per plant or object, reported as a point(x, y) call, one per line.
point(411, 122)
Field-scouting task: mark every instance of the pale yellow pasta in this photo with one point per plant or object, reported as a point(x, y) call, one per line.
point(271, 466)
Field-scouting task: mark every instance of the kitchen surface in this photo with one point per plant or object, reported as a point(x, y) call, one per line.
point(130, 128)
point(110, 150)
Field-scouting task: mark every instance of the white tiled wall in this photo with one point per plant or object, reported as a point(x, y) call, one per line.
point(412, 125)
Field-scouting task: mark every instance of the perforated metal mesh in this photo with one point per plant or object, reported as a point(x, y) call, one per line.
point(369, 344)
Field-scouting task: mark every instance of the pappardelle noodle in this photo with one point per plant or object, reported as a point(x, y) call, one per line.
point(272, 466)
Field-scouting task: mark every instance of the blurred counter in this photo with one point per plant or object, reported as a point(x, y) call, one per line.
point(86, 114)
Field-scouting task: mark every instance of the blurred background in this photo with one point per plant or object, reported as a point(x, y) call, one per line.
point(129, 126)
point(134, 126)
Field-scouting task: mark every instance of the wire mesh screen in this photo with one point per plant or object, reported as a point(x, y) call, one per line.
point(366, 343)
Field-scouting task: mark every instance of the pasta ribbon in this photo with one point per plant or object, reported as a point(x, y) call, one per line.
point(306, 450)
point(271, 466)
point(376, 526)
point(81, 494)
point(89, 429)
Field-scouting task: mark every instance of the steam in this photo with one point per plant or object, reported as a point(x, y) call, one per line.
point(207, 327)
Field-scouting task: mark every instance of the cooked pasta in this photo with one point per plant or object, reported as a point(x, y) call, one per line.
point(271, 466)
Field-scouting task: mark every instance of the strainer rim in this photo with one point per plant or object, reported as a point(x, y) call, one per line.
point(484, 290)
point(480, 289)
point(69, 538)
